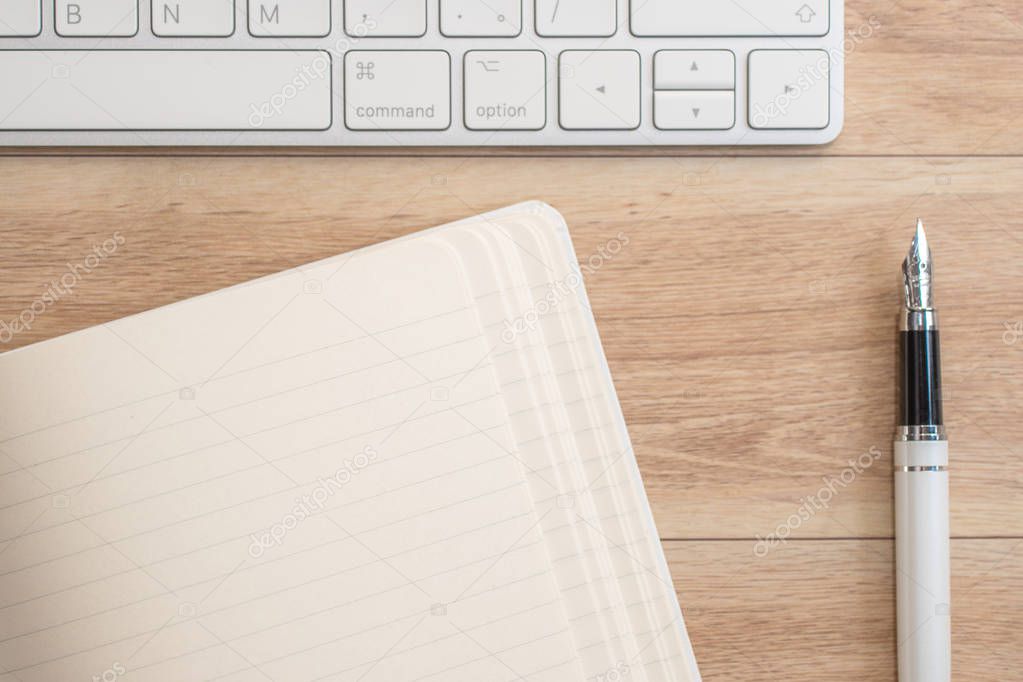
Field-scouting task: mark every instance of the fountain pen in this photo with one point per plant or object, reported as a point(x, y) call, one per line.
point(921, 483)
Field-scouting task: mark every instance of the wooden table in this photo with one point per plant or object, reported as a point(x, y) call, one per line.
point(748, 323)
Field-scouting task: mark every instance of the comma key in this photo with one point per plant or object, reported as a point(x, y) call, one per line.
point(397, 90)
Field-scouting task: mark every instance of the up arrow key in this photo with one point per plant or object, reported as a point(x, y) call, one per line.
point(693, 70)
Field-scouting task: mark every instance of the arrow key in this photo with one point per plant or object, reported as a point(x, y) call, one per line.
point(789, 89)
point(694, 70)
point(599, 89)
point(694, 109)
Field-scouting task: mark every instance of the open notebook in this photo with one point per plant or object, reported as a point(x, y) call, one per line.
point(402, 463)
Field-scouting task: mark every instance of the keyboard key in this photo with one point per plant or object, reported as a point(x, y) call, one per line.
point(599, 89)
point(481, 18)
point(505, 90)
point(576, 18)
point(789, 89)
point(20, 18)
point(397, 90)
point(201, 18)
point(288, 18)
point(694, 70)
point(165, 90)
point(377, 19)
point(97, 18)
point(694, 109)
point(729, 17)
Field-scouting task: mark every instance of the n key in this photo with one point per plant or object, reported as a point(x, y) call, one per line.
point(198, 18)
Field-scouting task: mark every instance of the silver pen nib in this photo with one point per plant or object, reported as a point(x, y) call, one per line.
point(916, 271)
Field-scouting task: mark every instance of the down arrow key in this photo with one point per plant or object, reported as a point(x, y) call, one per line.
point(694, 109)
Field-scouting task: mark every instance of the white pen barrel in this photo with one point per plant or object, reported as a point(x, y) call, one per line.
point(922, 561)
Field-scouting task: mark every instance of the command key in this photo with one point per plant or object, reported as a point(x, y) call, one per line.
point(397, 90)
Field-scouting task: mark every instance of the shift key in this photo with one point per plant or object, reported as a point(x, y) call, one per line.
point(397, 90)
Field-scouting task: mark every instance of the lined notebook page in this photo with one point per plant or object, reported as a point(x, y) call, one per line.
point(607, 509)
point(347, 471)
point(609, 473)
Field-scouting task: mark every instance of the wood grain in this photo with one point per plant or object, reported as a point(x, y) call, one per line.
point(825, 610)
point(748, 322)
point(932, 78)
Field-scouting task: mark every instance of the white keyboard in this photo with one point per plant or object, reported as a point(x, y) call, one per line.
point(392, 73)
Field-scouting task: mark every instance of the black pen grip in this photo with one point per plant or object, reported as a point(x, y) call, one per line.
point(920, 403)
